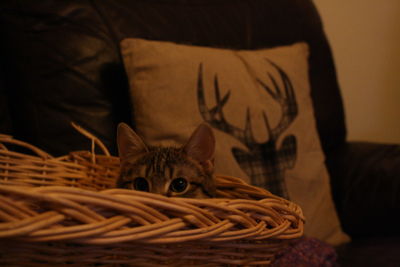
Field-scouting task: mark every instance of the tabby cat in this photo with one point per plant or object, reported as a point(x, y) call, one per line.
point(185, 171)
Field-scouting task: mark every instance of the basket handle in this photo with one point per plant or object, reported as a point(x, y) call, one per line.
point(10, 140)
point(93, 138)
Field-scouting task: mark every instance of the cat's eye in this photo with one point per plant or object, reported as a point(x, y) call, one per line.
point(141, 184)
point(178, 185)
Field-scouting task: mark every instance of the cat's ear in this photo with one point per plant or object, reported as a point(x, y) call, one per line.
point(129, 143)
point(201, 145)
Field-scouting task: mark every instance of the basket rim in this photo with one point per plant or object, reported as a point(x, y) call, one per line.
point(246, 218)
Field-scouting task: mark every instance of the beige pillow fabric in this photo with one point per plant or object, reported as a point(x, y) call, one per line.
point(259, 105)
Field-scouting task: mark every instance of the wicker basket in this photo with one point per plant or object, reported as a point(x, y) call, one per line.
point(64, 211)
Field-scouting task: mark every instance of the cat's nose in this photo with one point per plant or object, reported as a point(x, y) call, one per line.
point(158, 189)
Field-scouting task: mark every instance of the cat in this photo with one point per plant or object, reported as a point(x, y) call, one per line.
point(185, 171)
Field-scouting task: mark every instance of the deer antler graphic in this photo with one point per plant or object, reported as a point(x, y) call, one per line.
point(265, 163)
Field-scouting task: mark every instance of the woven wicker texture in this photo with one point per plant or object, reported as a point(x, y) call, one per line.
point(56, 211)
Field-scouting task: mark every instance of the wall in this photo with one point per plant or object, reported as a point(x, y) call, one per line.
point(365, 39)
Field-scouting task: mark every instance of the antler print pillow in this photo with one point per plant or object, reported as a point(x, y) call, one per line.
point(259, 105)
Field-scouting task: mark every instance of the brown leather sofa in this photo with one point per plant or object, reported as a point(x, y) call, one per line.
point(60, 62)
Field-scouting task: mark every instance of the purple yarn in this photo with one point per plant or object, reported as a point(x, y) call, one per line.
point(307, 252)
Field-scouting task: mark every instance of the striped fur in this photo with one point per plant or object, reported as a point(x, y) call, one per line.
point(161, 165)
point(183, 172)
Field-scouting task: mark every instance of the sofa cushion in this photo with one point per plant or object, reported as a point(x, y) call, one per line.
point(370, 252)
point(5, 120)
point(258, 103)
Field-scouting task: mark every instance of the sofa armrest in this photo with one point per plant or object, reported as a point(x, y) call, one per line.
point(365, 180)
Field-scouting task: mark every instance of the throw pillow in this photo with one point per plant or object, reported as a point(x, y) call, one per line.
point(258, 103)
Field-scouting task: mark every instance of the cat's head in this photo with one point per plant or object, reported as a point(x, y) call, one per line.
point(185, 171)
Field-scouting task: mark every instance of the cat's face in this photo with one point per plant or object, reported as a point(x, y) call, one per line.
point(178, 172)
